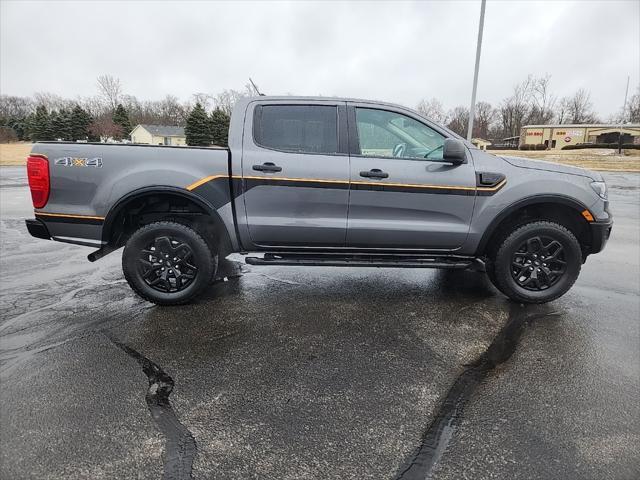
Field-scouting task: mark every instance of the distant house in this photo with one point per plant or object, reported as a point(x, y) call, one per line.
point(158, 135)
point(481, 143)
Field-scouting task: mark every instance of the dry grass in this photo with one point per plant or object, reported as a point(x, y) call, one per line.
point(592, 158)
point(14, 153)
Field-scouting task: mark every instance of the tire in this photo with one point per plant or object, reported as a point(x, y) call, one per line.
point(168, 263)
point(537, 263)
point(490, 269)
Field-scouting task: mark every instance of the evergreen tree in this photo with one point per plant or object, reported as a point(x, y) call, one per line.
point(219, 121)
point(198, 128)
point(39, 125)
point(80, 121)
point(121, 118)
point(60, 124)
point(20, 126)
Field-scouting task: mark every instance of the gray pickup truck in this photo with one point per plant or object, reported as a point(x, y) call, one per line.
point(321, 181)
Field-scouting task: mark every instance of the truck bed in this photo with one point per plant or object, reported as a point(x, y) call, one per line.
point(89, 180)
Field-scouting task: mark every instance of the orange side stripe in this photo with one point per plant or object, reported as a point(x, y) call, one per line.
point(66, 215)
point(343, 182)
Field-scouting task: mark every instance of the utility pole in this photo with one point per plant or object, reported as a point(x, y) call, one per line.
point(472, 110)
point(624, 109)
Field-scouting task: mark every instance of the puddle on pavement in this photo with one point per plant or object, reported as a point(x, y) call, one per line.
point(180, 447)
point(436, 439)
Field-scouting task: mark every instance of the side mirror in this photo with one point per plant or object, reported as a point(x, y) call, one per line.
point(453, 151)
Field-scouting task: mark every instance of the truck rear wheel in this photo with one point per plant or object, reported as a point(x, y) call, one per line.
point(537, 263)
point(168, 263)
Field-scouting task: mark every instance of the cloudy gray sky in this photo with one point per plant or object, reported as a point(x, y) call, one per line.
point(396, 51)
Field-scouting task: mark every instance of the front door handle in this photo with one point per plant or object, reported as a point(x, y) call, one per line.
point(374, 173)
point(267, 167)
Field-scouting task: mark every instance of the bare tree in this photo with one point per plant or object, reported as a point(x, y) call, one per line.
point(432, 109)
point(633, 108)
point(515, 108)
point(485, 116)
point(631, 112)
point(226, 99)
point(110, 89)
point(578, 108)
point(15, 107)
point(93, 105)
point(204, 99)
point(51, 101)
point(562, 111)
point(171, 111)
point(105, 128)
point(458, 120)
point(542, 100)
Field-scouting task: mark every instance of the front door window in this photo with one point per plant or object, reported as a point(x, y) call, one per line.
point(383, 133)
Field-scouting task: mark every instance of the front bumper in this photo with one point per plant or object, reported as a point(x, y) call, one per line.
point(600, 233)
point(37, 228)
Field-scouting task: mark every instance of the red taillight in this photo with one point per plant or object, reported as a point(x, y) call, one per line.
point(38, 174)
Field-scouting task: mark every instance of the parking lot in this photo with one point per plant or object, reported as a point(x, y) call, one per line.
point(289, 373)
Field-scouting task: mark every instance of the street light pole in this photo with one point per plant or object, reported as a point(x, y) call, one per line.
point(472, 110)
point(624, 109)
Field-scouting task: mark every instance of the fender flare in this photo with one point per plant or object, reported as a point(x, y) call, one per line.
point(121, 204)
point(525, 202)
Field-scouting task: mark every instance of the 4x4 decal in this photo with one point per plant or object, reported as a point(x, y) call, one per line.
point(78, 162)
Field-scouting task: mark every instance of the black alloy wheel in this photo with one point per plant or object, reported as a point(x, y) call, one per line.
point(165, 265)
point(168, 263)
point(538, 263)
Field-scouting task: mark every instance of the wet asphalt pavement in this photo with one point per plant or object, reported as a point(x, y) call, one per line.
point(288, 373)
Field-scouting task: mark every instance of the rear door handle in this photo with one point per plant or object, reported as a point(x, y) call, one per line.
point(267, 167)
point(374, 173)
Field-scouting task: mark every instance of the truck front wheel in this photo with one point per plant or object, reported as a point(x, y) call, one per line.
point(537, 263)
point(168, 263)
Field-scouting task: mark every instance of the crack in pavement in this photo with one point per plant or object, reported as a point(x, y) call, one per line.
point(436, 439)
point(180, 448)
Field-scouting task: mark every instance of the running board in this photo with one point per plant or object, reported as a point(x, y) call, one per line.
point(364, 260)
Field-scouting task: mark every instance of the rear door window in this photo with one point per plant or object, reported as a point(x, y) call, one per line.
point(297, 128)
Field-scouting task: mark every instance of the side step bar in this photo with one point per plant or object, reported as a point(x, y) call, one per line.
point(362, 260)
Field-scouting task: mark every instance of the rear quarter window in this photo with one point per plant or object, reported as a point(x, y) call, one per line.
point(297, 128)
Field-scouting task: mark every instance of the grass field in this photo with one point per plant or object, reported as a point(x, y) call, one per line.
point(591, 158)
point(14, 153)
point(594, 159)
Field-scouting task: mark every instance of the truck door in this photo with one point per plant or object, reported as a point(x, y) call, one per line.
point(402, 194)
point(295, 173)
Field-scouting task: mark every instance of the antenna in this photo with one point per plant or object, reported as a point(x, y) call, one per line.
point(255, 87)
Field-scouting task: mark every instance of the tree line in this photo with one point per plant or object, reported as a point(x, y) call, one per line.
point(531, 102)
point(111, 113)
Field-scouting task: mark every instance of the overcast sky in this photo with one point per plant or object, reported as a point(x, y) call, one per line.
point(395, 51)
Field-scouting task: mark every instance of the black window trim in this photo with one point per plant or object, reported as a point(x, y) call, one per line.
point(354, 141)
point(341, 125)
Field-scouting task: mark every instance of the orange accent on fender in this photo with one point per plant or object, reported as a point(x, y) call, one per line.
point(587, 214)
point(204, 180)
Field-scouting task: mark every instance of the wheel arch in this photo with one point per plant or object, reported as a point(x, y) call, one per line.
point(114, 226)
point(562, 209)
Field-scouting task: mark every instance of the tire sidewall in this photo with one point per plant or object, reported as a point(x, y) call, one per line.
point(572, 255)
point(202, 256)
